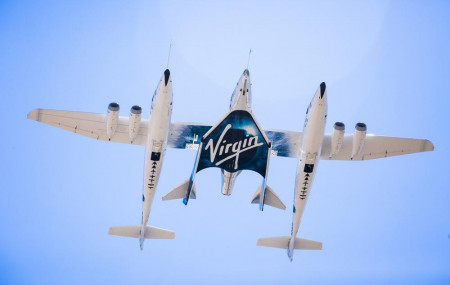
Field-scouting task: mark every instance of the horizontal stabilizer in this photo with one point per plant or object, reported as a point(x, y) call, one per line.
point(270, 198)
point(181, 191)
point(283, 242)
point(135, 231)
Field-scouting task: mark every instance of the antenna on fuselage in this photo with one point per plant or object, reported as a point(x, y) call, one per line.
point(248, 60)
point(168, 57)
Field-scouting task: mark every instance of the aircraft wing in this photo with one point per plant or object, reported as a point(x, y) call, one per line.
point(181, 135)
point(91, 125)
point(188, 136)
point(375, 147)
point(284, 143)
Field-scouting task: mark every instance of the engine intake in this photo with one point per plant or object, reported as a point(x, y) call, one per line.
point(112, 118)
point(359, 138)
point(337, 138)
point(134, 121)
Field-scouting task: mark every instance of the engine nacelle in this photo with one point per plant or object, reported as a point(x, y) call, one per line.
point(359, 138)
point(112, 118)
point(134, 121)
point(337, 138)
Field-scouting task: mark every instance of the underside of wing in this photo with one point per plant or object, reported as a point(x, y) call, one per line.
point(91, 125)
point(284, 143)
point(375, 147)
point(186, 135)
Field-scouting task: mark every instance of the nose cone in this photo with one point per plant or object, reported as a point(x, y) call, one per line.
point(241, 98)
point(245, 78)
point(323, 89)
point(166, 76)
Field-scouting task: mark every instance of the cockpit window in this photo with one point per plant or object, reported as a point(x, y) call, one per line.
point(231, 100)
point(307, 110)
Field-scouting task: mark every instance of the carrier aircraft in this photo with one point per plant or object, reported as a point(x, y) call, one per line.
point(158, 132)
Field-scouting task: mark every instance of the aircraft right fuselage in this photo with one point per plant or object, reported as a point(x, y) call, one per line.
point(313, 133)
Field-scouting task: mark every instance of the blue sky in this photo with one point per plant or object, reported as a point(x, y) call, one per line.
point(382, 221)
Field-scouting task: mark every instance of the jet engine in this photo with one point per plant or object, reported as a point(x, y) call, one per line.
point(112, 118)
point(134, 121)
point(337, 138)
point(359, 138)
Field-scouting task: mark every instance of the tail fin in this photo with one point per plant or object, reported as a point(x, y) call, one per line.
point(283, 242)
point(181, 191)
point(135, 231)
point(270, 198)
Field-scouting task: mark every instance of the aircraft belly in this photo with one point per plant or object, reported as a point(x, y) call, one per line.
point(151, 177)
point(304, 180)
point(305, 172)
point(158, 130)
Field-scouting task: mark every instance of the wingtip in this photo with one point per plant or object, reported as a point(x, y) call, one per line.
point(33, 115)
point(428, 146)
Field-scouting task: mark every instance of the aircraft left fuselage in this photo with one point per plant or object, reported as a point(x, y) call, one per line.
point(158, 129)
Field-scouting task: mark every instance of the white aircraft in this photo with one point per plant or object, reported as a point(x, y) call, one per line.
point(241, 140)
point(316, 145)
point(234, 143)
point(110, 127)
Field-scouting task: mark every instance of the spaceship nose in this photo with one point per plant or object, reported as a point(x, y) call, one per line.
point(166, 76)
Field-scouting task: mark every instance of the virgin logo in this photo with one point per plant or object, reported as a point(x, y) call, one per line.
point(230, 150)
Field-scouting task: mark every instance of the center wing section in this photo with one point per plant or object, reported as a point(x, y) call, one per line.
point(235, 143)
point(188, 136)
